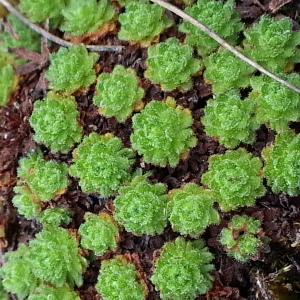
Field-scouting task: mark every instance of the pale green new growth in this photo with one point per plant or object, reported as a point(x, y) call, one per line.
point(142, 22)
point(276, 105)
point(86, 16)
point(191, 210)
point(55, 122)
point(230, 120)
point(282, 164)
point(55, 217)
point(172, 65)
point(272, 43)
point(141, 207)
point(219, 16)
point(8, 83)
point(235, 179)
point(163, 133)
point(55, 257)
point(53, 293)
point(241, 239)
point(118, 93)
point(126, 2)
point(226, 72)
point(183, 270)
point(99, 233)
point(119, 280)
point(102, 164)
point(24, 37)
point(71, 69)
point(18, 274)
point(44, 179)
point(41, 10)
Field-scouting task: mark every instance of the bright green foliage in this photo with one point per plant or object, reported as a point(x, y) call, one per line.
point(44, 179)
point(276, 105)
point(282, 164)
point(183, 270)
point(120, 280)
point(220, 17)
point(17, 273)
point(142, 22)
point(102, 164)
point(41, 10)
point(72, 69)
point(225, 72)
point(55, 122)
point(55, 217)
point(8, 83)
point(172, 65)
point(27, 204)
point(86, 16)
point(55, 257)
point(191, 210)
point(241, 239)
point(230, 119)
point(118, 93)
point(52, 293)
point(272, 43)
point(141, 207)
point(99, 233)
point(126, 2)
point(162, 133)
point(26, 38)
point(235, 178)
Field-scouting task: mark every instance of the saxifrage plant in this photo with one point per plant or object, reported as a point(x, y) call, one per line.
point(242, 238)
point(55, 217)
point(142, 22)
point(27, 203)
point(118, 93)
point(182, 270)
point(235, 178)
point(55, 257)
point(163, 133)
point(220, 16)
point(119, 279)
point(24, 37)
point(276, 105)
point(18, 276)
point(273, 43)
point(55, 121)
point(191, 210)
point(3, 293)
point(172, 65)
point(102, 164)
point(86, 16)
point(41, 10)
point(99, 233)
point(226, 72)
point(282, 164)
point(45, 292)
point(141, 207)
point(45, 179)
point(230, 119)
point(71, 69)
point(39, 181)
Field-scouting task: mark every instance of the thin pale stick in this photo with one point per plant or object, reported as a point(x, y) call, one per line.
point(52, 37)
point(224, 44)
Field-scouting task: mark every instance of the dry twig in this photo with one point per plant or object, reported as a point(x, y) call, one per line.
point(52, 37)
point(223, 43)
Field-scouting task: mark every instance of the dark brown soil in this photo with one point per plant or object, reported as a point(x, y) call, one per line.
point(275, 274)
